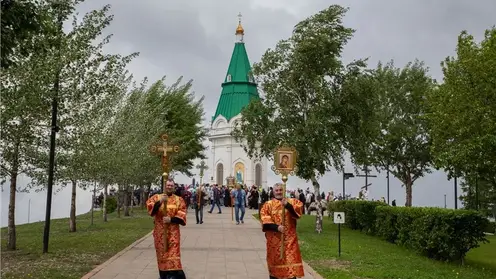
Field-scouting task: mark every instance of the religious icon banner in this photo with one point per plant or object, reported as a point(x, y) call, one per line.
point(285, 159)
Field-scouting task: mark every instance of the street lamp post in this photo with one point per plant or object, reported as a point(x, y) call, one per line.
point(476, 192)
point(346, 175)
point(455, 185)
point(29, 210)
point(53, 134)
point(387, 183)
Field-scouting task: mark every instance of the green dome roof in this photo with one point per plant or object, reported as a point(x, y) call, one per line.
point(239, 87)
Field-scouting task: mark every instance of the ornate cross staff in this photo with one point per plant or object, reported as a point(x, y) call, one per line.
point(164, 150)
point(284, 164)
point(202, 167)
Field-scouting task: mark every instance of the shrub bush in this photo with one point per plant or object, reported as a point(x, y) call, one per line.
point(491, 227)
point(111, 204)
point(442, 234)
point(360, 215)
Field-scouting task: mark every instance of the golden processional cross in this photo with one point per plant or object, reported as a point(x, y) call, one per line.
point(164, 149)
point(202, 167)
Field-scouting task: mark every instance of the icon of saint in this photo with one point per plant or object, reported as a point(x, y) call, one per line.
point(284, 162)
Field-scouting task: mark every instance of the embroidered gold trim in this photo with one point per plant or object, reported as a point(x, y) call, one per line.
point(286, 265)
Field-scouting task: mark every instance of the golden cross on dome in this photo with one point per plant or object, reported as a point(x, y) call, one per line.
point(239, 30)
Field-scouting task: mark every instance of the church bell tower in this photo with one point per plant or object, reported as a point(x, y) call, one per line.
point(238, 90)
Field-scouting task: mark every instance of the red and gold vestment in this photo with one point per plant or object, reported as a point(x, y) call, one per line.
point(175, 208)
point(271, 216)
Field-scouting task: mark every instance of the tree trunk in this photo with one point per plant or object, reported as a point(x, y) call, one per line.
point(316, 185)
point(142, 199)
point(126, 200)
point(104, 209)
point(11, 233)
point(93, 198)
point(408, 188)
point(119, 199)
point(139, 200)
point(72, 219)
point(145, 194)
point(316, 189)
point(132, 200)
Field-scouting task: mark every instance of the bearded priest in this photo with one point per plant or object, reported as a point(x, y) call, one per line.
point(169, 211)
point(290, 265)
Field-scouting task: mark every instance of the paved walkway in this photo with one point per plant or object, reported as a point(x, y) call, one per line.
point(215, 249)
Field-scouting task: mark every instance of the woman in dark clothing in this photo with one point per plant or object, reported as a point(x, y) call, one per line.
point(227, 198)
point(265, 196)
point(253, 203)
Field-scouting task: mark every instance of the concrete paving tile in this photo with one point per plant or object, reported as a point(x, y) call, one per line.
point(236, 267)
point(255, 267)
point(237, 274)
point(195, 275)
point(211, 260)
point(257, 276)
point(105, 276)
point(212, 275)
point(129, 276)
point(147, 271)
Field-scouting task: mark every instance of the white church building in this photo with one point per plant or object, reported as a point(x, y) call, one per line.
point(227, 156)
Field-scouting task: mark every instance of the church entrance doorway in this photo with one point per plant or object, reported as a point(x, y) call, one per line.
point(258, 174)
point(220, 174)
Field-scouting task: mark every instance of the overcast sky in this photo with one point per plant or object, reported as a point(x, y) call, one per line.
point(195, 39)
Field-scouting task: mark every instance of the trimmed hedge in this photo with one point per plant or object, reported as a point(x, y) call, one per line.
point(441, 234)
point(360, 215)
point(491, 227)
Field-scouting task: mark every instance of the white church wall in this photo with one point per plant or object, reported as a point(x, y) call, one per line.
point(231, 155)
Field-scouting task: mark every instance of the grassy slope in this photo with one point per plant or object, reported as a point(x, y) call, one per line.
point(366, 256)
point(71, 255)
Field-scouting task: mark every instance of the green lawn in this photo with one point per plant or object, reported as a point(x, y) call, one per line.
point(71, 255)
point(364, 256)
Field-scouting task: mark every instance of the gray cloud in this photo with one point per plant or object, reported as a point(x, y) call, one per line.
point(194, 39)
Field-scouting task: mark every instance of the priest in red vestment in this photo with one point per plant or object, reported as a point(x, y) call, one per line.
point(169, 211)
point(291, 265)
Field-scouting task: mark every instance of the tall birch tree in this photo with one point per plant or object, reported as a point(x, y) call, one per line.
point(304, 103)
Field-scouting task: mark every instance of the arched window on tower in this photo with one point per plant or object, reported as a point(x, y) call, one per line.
point(220, 174)
point(228, 78)
point(258, 174)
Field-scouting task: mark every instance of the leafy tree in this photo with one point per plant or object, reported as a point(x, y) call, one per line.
point(463, 110)
point(22, 116)
point(305, 104)
point(21, 20)
point(89, 85)
point(398, 137)
point(479, 194)
point(25, 108)
point(152, 111)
